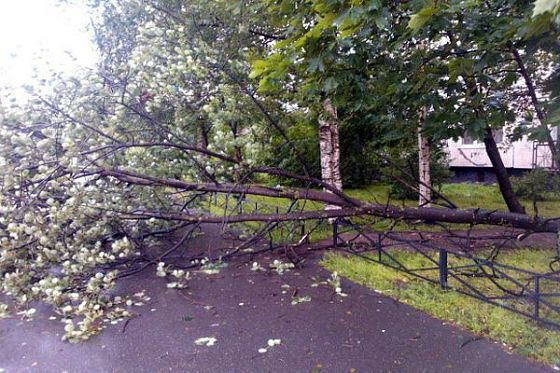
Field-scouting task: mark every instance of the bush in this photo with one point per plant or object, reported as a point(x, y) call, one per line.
point(537, 185)
point(401, 172)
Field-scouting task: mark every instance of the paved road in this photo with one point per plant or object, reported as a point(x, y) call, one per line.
point(364, 332)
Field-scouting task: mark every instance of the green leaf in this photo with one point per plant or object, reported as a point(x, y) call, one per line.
point(286, 6)
point(459, 67)
point(543, 6)
point(330, 85)
point(554, 117)
point(421, 18)
point(235, 7)
point(381, 21)
point(316, 64)
point(539, 25)
point(258, 68)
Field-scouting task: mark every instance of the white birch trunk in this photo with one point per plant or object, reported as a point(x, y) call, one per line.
point(424, 176)
point(329, 148)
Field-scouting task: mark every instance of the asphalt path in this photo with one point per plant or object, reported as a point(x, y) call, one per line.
point(242, 310)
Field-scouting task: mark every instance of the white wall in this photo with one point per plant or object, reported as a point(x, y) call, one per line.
point(518, 154)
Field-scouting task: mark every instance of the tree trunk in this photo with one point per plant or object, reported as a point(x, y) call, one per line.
point(347, 207)
point(497, 164)
point(424, 175)
point(501, 173)
point(201, 136)
point(329, 148)
point(535, 102)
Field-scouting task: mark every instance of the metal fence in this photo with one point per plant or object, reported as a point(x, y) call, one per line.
point(531, 294)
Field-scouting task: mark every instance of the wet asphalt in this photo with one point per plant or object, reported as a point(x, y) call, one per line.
point(242, 310)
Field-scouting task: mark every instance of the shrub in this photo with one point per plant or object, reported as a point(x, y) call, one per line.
point(536, 185)
point(401, 172)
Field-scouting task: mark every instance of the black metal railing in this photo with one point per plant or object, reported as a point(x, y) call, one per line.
point(528, 293)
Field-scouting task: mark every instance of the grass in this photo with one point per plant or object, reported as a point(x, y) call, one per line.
point(286, 231)
point(519, 333)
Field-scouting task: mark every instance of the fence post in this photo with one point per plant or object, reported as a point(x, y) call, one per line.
point(443, 268)
point(335, 232)
point(536, 296)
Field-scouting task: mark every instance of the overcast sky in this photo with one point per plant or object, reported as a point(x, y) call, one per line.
point(41, 35)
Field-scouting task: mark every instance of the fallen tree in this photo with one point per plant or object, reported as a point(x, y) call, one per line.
point(114, 171)
point(85, 203)
point(348, 206)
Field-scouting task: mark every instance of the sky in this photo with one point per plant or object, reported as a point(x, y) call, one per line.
point(40, 35)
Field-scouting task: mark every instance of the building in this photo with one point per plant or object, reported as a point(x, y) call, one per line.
point(469, 162)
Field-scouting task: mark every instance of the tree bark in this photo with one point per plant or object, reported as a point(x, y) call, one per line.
point(535, 102)
point(329, 147)
point(424, 175)
point(201, 136)
point(327, 196)
point(498, 218)
point(501, 174)
point(493, 153)
point(346, 208)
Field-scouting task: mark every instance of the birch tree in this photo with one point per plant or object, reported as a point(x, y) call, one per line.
point(329, 148)
point(424, 176)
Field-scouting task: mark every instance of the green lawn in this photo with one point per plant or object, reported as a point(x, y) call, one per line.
point(517, 332)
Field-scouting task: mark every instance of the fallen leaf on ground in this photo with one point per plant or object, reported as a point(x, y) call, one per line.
point(205, 341)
